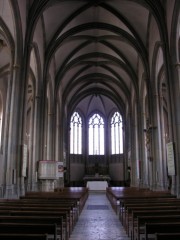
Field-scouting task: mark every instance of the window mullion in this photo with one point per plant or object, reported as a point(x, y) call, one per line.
point(77, 138)
point(99, 150)
point(115, 139)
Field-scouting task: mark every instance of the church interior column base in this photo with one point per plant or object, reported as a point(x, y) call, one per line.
point(10, 191)
point(47, 185)
point(59, 183)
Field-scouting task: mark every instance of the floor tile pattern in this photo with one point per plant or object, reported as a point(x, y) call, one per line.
point(97, 207)
point(98, 221)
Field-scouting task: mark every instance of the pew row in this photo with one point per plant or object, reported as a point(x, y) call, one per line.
point(135, 207)
point(27, 228)
point(40, 208)
point(167, 236)
point(12, 236)
point(152, 228)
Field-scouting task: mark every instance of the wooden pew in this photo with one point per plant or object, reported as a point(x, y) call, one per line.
point(126, 200)
point(42, 214)
point(65, 212)
point(48, 205)
point(131, 220)
point(62, 209)
point(36, 220)
point(139, 230)
point(125, 203)
point(78, 194)
point(12, 236)
point(148, 203)
point(152, 228)
point(29, 228)
point(118, 195)
point(56, 202)
point(66, 204)
point(83, 190)
point(167, 236)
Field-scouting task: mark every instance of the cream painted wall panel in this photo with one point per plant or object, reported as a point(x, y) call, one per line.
point(76, 171)
point(116, 171)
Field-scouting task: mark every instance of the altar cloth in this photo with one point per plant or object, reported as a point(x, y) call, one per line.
point(97, 185)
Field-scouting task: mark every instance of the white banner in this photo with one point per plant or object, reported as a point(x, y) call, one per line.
point(24, 159)
point(170, 158)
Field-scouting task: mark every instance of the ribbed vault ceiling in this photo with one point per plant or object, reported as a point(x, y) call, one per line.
point(97, 47)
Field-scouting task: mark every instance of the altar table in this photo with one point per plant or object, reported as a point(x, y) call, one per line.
point(97, 185)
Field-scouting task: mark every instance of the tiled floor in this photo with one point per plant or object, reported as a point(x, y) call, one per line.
point(98, 221)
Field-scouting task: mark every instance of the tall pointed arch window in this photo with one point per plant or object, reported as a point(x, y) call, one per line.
point(76, 134)
point(96, 135)
point(116, 134)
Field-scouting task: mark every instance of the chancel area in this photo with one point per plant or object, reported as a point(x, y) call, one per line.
point(89, 88)
point(89, 104)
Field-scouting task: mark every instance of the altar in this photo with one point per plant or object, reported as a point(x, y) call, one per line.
point(97, 185)
point(97, 182)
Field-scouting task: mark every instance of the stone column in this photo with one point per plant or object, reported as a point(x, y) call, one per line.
point(135, 164)
point(48, 185)
point(145, 168)
point(50, 155)
point(13, 128)
point(36, 146)
point(158, 144)
point(150, 155)
point(175, 186)
point(163, 181)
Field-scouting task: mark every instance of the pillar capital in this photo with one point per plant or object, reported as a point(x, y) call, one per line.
point(16, 66)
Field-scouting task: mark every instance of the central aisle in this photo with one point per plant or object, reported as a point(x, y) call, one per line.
point(98, 221)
